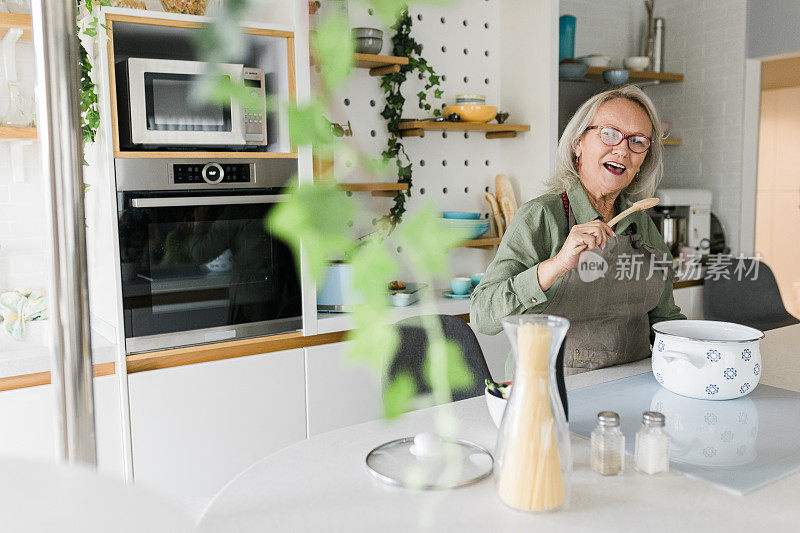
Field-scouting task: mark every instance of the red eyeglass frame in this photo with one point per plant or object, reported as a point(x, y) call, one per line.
point(624, 137)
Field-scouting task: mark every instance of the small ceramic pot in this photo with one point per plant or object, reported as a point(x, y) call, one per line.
point(369, 45)
point(616, 76)
point(706, 359)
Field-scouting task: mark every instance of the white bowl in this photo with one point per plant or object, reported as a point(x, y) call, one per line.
point(636, 62)
point(497, 406)
point(706, 359)
point(596, 60)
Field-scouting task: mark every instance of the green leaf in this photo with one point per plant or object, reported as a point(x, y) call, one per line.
point(220, 89)
point(446, 362)
point(398, 395)
point(428, 255)
point(316, 215)
point(388, 10)
point(308, 125)
point(333, 48)
point(373, 268)
point(372, 340)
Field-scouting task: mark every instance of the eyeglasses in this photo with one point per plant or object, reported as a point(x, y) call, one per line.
point(612, 137)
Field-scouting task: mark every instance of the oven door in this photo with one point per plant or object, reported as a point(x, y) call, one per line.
point(164, 110)
point(200, 267)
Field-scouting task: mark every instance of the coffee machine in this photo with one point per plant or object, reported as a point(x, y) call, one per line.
point(683, 217)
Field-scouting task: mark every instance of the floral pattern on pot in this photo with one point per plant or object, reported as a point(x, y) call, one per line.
point(727, 436)
point(711, 389)
point(713, 356)
point(741, 450)
point(747, 354)
point(660, 346)
point(744, 388)
point(659, 378)
point(711, 419)
point(757, 369)
point(709, 451)
point(729, 373)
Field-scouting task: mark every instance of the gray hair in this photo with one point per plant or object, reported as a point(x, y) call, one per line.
point(652, 168)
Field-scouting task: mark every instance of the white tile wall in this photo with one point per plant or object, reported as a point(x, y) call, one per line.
point(23, 224)
point(704, 40)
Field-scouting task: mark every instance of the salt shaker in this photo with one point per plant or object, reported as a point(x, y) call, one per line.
point(608, 445)
point(652, 444)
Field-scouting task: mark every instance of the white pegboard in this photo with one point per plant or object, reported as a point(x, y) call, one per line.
point(461, 42)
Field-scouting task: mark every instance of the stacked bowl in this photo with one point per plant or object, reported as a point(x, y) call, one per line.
point(471, 223)
point(472, 108)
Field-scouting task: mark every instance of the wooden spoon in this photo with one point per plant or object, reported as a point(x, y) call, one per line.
point(641, 205)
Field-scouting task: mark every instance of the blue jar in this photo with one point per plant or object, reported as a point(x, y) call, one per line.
point(566, 37)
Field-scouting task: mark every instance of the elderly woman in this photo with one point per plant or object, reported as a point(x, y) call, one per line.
point(608, 156)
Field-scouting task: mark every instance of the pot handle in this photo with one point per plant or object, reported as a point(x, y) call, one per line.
point(696, 360)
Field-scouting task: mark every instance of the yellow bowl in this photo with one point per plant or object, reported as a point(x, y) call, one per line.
point(472, 113)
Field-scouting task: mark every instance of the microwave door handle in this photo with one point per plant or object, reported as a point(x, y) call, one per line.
point(183, 201)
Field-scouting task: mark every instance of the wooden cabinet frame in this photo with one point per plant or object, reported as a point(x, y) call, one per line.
point(152, 21)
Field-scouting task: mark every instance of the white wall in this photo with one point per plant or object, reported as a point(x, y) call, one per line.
point(706, 42)
point(23, 210)
point(772, 27)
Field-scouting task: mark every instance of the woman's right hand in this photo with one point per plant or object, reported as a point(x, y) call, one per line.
point(582, 237)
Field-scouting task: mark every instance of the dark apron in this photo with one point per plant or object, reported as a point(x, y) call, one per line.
point(609, 322)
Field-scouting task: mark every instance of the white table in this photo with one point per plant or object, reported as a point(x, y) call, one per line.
point(322, 484)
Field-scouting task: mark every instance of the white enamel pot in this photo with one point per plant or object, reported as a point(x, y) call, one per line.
point(706, 359)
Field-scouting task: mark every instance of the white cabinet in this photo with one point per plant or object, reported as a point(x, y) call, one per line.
point(27, 417)
point(341, 392)
point(690, 300)
point(195, 427)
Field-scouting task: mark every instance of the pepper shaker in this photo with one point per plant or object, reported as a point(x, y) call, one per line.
point(608, 445)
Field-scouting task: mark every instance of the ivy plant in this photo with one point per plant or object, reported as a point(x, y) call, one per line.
point(90, 113)
point(404, 45)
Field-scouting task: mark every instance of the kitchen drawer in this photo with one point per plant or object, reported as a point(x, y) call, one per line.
point(195, 427)
point(341, 392)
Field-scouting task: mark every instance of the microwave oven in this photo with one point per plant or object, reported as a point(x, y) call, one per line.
point(158, 107)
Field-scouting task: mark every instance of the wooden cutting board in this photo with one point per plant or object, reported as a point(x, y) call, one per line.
point(505, 197)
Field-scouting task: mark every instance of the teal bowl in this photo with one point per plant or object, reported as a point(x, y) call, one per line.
point(615, 76)
point(461, 215)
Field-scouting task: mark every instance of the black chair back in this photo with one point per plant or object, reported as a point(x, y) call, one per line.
point(410, 356)
point(749, 296)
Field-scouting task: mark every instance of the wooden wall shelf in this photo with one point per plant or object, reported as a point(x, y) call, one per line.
point(377, 189)
point(417, 128)
point(672, 141)
point(379, 65)
point(12, 20)
point(12, 133)
point(485, 243)
point(636, 76)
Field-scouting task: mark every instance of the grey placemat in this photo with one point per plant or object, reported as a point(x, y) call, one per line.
point(738, 445)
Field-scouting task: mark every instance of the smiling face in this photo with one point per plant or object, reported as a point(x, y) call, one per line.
point(607, 170)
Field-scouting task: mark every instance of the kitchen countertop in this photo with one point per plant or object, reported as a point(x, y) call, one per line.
point(322, 484)
point(32, 355)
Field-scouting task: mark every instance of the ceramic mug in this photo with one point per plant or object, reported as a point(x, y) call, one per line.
point(460, 286)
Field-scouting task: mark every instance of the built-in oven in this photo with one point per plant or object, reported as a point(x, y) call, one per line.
point(198, 262)
point(159, 106)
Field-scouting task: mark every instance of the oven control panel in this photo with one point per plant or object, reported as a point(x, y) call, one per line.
point(212, 173)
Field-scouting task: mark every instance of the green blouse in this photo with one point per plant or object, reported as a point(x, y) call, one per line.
point(510, 284)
